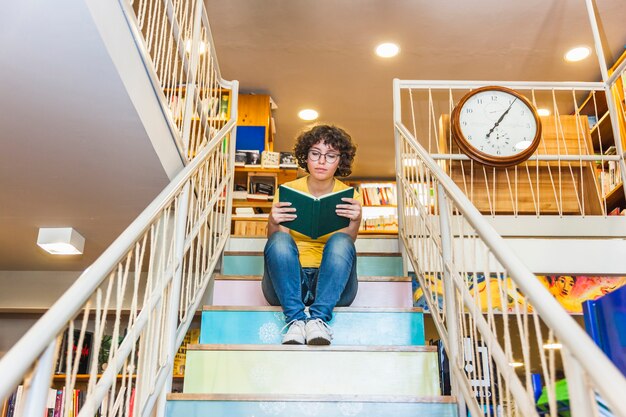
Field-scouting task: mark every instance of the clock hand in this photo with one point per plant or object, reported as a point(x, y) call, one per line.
point(500, 119)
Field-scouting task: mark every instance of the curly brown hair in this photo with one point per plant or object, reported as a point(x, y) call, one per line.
point(332, 136)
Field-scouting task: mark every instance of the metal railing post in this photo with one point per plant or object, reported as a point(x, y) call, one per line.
point(449, 294)
point(190, 91)
point(397, 117)
point(36, 394)
point(580, 395)
point(608, 87)
point(174, 301)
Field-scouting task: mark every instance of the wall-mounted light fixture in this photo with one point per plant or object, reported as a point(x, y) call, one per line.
point(61, 241)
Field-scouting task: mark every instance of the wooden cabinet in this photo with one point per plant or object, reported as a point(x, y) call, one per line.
point(255, 111)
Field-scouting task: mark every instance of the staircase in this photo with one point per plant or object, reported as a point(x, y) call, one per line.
point(377, 364)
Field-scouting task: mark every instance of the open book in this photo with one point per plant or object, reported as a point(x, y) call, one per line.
point(316, 215)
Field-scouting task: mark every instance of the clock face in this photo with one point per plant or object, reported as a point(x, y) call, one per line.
point(496, 126)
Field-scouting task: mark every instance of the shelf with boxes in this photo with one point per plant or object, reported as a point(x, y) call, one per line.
point(254, 195)
point(258, 169)
point(608, 174)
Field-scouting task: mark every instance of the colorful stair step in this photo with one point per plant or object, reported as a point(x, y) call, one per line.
point(351, 326)
point(251, 263)
point(245, 290)
point(186, 405)
point(267, 369)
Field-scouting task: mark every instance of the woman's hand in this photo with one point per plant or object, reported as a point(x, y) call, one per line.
point(281, 212)
point(352, 210)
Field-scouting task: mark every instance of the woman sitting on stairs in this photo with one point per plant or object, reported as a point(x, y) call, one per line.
point(319, 273)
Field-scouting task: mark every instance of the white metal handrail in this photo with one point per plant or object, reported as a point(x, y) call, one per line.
point(457, 256)
point(132, 307)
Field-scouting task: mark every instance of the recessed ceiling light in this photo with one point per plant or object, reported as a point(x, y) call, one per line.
point(552, 346)
point(61, 241)
point(516, 364)
point(577, 54)
point(543, 112)
point(308, 114)
point(387, 50)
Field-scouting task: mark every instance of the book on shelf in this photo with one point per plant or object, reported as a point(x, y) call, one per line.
point(316, 216)
point(259, 197)
point(379, 195)
point(84, 352)
point(288, 160)
point(224, 100)
point(51, 402)
point(380, 223)
point(244, 211)
point(253, 158)
point(192, 337)
point(240, 158)
point(240, 192)
point(270, 159)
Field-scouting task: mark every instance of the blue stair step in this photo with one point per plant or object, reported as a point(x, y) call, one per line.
point(368, 264)
point(351, 326)
point(186, 405)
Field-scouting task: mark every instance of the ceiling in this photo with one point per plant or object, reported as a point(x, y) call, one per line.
point(320, 54)
point(74, 151)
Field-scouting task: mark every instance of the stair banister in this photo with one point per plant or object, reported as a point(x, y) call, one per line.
point(16, 362)
point(582, 348)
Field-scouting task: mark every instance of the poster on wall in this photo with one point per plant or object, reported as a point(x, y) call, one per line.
point(569, 290)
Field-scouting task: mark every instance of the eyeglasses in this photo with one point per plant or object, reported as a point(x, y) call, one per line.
point(331, 158)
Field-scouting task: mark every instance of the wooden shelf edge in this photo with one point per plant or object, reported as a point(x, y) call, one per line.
point(378, 232)
point(85, 377)
point(263, 170)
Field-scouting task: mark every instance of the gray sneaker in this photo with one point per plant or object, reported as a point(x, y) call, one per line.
point(318, 332)
point(295, 335)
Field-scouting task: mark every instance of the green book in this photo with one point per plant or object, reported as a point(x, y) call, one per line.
point(316, 215)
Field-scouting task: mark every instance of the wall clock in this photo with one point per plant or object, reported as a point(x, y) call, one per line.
point(496, 126)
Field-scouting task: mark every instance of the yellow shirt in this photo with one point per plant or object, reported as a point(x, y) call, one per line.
point(311, 249)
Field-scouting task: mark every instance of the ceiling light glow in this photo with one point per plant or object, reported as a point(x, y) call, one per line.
point(201, 47)
point(552, 346)
point(577, 54)
point(61, 241)
point(516, 364)
point(387, 50)
point(308, 114)
point(543, 112)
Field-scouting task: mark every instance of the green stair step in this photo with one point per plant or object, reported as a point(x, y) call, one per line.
point(267, 369)
point(186, 405)
point(351, 326)
point(251, 263)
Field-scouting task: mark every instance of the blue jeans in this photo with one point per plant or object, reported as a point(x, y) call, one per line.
point(287, 284)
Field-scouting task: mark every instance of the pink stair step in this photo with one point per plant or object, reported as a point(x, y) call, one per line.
point(245, 290)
